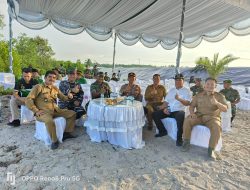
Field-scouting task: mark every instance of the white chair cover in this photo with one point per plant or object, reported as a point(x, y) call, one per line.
point(43, 135)
point(7, 80)
point(244, 104)
point(200, 134)
point(200, 137)
point(226, 119)
point(27, 115)
point(87, 94)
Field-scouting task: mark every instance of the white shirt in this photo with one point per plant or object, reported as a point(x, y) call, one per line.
point(175, 105)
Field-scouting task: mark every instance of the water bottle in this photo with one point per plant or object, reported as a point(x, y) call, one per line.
point(102, 99)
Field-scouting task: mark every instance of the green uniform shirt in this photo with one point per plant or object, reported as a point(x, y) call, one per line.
point(196, 89)
point(96, 88)
point(231, 95)
point(82, 81)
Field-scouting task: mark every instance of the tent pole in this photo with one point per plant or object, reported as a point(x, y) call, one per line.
point(179, 52)
point(10, 44)
point(113, 67)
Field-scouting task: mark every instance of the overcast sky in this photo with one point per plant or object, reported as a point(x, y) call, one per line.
point(83, 46)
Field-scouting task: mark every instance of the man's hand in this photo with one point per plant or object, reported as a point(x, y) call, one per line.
point(193, 116)
point(177, 97)
point(102, 91)
point(70, 96)
point(166, 111)
point(22, 100)
point(39, 113)
point(76, 89)
point(214, 101)
point(76, 103)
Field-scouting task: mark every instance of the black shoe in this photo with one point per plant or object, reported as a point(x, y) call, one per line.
point(67, 135)
point(186, 146)
point(54, 145)
point(161, 134)
point(179, 143)
point(14, 123)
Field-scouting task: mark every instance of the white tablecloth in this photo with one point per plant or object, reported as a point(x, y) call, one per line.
point(120, 125)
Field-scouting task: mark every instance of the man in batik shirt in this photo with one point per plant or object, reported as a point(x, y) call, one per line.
point(71, 86)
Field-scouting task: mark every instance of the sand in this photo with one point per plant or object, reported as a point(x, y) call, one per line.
point(82, 164)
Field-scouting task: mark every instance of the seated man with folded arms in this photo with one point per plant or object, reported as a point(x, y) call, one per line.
point(208, 105)
point(154, 95)
point(131, 89)
point(100, 87)
point(106, 77)
point(73, 87)
point(21, 91)
point(178, 97)
point(114, 78)
point(42, 101)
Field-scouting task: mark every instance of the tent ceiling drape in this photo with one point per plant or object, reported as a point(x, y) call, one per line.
point(152, 22)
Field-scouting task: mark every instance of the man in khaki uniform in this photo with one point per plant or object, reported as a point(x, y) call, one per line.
point(154, 95)
point(131, 89)
point(209, 105)
point(42, 101)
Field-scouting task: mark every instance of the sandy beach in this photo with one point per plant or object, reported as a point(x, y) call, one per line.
point(82, 164)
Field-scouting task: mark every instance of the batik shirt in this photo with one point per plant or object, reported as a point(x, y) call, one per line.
point(66, 87)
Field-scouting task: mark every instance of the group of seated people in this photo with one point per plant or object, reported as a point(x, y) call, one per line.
point(42, 100)
point(114, 76)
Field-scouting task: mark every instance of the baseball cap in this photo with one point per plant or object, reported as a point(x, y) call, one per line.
point(132, 74)
point(228, 81)
point(71, 71)
point(179, 76)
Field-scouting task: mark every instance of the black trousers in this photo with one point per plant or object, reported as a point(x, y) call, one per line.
point(177, 115)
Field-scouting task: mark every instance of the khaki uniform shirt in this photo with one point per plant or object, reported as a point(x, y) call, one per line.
point(158, 96)
point(203, 105)
point(135, 89)
point(43, 97)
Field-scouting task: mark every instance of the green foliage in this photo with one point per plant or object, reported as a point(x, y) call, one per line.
point(214, 67)
point(35, 52)
point(8, 91)
point(1, 23)
point(4, 59)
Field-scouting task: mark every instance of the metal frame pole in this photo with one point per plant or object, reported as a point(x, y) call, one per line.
point(10, 44)
point(179, 52)
point(113, 67)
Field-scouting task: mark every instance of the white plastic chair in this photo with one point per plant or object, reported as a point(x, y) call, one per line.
point(43, 135)
point(27, 115)
point(200, 134)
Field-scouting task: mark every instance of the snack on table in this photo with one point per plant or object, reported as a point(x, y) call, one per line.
point(115, 101)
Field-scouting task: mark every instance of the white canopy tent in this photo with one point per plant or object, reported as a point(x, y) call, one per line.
point(151, 22)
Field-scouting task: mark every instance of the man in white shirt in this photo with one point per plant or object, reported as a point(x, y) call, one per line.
point(174, 107)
